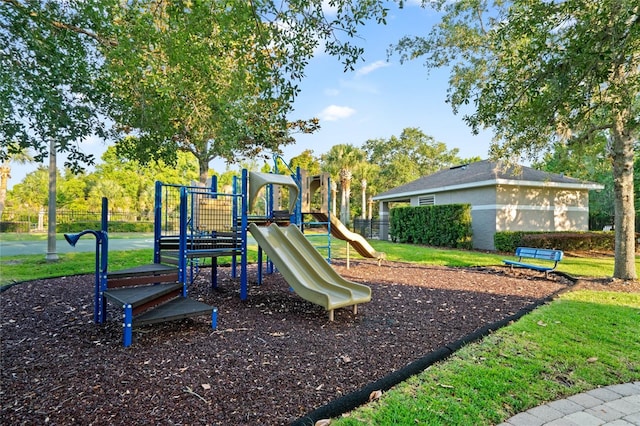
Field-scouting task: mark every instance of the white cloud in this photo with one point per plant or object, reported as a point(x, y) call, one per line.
point(367, 69)
point(360, 86)
point(336, 112)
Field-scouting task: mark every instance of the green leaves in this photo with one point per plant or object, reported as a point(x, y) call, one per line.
point(540, 73)
point(405, 158)
point(47, 65)
point(213, 78)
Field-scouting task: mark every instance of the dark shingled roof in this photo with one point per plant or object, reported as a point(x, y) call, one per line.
point(481, 171)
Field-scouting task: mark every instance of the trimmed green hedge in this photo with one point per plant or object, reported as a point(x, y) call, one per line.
point(507, 241)
point(22, 227)
point(113, 226)
point(440, 226)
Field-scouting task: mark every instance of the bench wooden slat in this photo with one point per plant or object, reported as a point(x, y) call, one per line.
point(537, 254)
point(528, 265)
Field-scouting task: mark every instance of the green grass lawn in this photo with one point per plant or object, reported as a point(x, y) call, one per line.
point(583, 340)
point(23, 268)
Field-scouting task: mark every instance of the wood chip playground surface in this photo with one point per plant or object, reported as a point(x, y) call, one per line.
point(272, 359)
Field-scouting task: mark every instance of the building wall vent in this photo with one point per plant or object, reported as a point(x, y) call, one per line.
point(427, 200)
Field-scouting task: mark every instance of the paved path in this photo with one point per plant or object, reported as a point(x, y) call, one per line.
point(86, 243)
point(617, 405)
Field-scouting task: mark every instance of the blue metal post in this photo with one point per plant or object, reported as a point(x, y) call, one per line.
point(99, 305)
point(214, 318)
point(234, 215)
point(243, 236)
point(98, 302)
point(182, 246)
point(103, 241)
point(127, 325)
point(259, 265)
point(157, 222)
point(214, 186)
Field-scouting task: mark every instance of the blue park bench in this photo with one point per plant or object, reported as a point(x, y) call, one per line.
point(547, 255)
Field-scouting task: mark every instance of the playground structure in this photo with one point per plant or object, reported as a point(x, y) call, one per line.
point(323, 216)
point(196, 222)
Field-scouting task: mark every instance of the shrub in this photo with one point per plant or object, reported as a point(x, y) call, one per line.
point(112, 226)
point(507, 241)
point(440, 226)
point(22, 226)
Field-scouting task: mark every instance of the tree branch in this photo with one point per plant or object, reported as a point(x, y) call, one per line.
point(61, 25)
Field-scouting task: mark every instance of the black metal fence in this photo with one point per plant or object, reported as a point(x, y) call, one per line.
point(368, 228)
point(34, 221)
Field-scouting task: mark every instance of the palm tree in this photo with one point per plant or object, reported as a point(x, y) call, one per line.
point(368, 174)
point(341, 161)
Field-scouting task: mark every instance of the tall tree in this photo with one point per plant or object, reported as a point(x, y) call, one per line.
point(48, 66)
point(217, 79)
point(47, 69)
point(405, 158)
point(52, 51)
point(540, 72)
point(368, 174)
point(341, 161)
point(187, 76)
point(306, 161)
point(32, 192)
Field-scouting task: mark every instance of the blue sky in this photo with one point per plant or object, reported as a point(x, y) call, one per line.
point(377, 100)
point(382, 97)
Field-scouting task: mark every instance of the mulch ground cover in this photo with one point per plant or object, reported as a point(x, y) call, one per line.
point(272, 359)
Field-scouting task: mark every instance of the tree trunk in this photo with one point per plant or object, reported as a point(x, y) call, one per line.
point(334, 192)
point(343, 201)
point(52, 256)
point(345, 183)
point(5, 171)
point(364, 199)
point(347, 202)
point(624, 219)
point(203, 166)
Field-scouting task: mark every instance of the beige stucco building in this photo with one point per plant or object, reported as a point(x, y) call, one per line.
point(501, 199)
